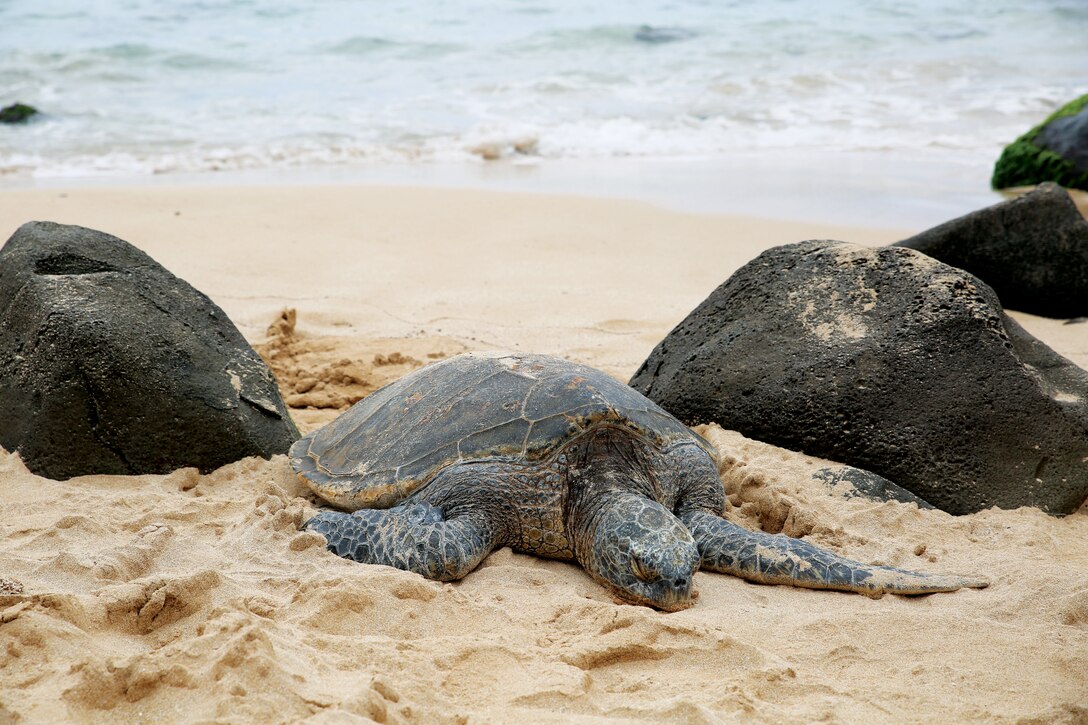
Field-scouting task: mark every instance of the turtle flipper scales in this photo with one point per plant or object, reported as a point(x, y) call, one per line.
point(778, 559)
point(415, 537)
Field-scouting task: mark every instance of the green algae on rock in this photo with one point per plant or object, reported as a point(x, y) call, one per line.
point(17, 113)
point(1029, 160)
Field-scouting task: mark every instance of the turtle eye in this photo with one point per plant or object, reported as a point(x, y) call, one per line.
point(642, 570)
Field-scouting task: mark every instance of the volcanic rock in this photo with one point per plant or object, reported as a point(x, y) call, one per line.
point(1055, 150)
point(17, 113)
point(889, 361)
point(110, 364)
point(1032, 250)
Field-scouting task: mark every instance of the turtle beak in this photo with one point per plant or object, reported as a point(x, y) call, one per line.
point(671, 602)
point(676, 602)
point(667, 596)
point(680, 594)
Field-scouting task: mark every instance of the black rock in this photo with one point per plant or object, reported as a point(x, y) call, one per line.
point(865, 484)
point(656, 35)
point(887, 360)
point(1032, 250)
point(110, 364)
point(1055, 150)
point(17, 113)
point(1068, 137)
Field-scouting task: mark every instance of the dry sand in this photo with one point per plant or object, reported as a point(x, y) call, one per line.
point(189, 598)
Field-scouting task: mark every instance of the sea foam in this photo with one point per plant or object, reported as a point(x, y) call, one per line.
point(133, 88)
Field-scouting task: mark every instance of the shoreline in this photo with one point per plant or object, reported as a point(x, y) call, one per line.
point(883, 189)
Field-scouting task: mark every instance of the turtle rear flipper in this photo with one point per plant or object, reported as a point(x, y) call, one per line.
point(777, 559)
point(415, 537)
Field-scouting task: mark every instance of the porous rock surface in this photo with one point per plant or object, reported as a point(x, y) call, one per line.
point(1033, 251)
point(111, 364)
point(887, 360)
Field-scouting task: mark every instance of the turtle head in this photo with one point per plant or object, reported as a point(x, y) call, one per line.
point(639, 550)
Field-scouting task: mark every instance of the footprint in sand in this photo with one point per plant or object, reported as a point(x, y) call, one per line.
point(144, 606)
point(134, 559)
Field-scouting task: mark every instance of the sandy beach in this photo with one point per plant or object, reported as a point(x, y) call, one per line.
point(195, 598)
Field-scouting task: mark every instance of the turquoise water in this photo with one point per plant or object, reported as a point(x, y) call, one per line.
point(141, 86)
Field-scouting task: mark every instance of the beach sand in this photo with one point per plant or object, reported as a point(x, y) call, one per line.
point(194, 598)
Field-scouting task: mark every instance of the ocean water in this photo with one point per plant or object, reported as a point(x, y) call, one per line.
point(132, 87)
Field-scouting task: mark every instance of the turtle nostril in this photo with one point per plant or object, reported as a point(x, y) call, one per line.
point(681, 583)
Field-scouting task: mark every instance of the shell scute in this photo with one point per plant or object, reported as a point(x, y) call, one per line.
point(470, 407)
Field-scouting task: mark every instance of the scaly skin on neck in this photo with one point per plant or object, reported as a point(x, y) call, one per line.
point(619, 520)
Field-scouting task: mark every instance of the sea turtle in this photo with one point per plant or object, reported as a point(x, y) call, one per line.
point(485, 450)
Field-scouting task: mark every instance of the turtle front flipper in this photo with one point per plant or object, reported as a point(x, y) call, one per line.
point(414, 537)
point(778, 559)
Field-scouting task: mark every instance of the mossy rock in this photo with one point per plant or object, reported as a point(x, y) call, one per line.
point(17, 113)
point(1025, 163)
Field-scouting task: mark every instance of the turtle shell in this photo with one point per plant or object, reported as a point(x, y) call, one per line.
point(471, 407)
